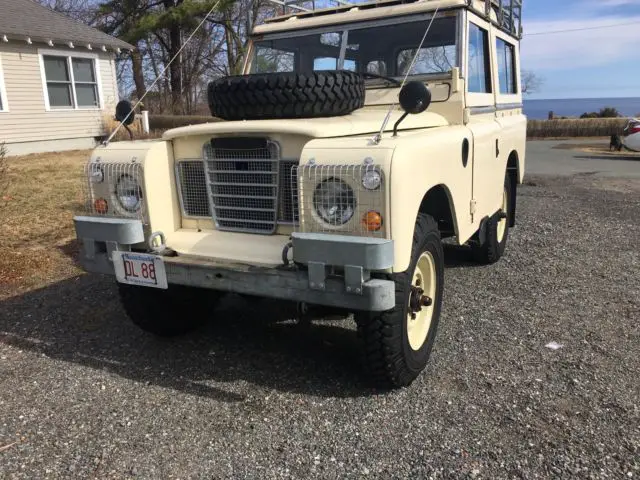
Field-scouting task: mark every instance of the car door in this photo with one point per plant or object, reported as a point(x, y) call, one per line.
point(480, 117)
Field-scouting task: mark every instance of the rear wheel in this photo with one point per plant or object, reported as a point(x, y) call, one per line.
point(397, 343)
point(167, 313)
point(497, 231)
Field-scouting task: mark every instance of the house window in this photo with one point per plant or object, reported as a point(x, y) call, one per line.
point(506, 67)
point(479, 66)
point(71, 82)
point(4, 105)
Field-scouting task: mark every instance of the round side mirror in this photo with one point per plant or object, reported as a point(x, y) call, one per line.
point(124, 112)
point(415, 97)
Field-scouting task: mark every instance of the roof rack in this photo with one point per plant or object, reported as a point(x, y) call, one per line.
point(507, 12)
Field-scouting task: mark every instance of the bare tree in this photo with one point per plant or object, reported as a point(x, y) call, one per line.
point(82, 10)
point(531, 82)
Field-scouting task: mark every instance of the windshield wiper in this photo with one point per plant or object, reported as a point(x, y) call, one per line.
point(391, 80)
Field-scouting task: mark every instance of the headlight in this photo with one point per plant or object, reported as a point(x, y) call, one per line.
point(371, 179)
point(129, 193)
point(334, 201)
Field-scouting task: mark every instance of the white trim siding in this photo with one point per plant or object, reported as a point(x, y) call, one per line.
point(73, 83)
point(4, 101)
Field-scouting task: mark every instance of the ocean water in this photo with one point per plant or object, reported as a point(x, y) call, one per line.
point(574, 107)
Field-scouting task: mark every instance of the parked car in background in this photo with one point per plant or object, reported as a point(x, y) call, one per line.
point(631, 136)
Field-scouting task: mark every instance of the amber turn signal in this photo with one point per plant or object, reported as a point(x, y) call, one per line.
point(101, 206)
point(372, 221)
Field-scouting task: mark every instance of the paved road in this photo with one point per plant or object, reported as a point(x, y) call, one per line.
point(548, 157)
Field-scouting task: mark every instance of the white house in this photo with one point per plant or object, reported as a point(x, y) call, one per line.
point(57, 79)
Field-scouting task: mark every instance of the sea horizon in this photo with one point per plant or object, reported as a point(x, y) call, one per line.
point(538, 109)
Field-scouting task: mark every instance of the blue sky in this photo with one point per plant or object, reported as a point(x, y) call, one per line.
point(583, 64)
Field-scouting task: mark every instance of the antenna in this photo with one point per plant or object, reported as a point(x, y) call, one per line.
point(378, 138)
point(160, 75)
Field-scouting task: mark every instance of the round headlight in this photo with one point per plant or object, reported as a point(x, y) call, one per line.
point(371, 179)
point(96, 175)
point(334, 201)
point(129, 193)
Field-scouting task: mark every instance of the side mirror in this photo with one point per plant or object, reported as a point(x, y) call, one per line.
point(124, 112)
point(415, 97)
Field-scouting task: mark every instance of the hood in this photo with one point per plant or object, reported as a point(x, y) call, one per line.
point(361, 122)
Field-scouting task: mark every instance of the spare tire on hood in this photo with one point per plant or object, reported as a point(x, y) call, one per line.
point(286, 95)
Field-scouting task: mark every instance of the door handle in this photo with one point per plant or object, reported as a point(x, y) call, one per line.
point(497, 148)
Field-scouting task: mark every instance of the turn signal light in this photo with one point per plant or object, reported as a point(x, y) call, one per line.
point(372, 221)
point(101, 206)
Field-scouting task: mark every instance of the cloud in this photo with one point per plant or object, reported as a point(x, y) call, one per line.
point(578, 49)
point(612, 3)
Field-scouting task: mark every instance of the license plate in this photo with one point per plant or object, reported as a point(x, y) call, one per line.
point(140, 269)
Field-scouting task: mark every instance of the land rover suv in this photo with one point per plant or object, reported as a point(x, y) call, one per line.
point(359, 138)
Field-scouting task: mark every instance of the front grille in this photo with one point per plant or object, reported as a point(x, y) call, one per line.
point(242, 176)
point(193, 188)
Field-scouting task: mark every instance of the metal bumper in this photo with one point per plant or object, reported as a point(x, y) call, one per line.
point(330, 270)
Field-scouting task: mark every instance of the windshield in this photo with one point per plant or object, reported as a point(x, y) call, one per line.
point(385, 50)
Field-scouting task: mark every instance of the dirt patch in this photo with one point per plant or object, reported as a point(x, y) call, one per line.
point(600, 148)
point(36, 214)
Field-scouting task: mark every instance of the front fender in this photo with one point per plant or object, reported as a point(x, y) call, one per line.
point(423, 159)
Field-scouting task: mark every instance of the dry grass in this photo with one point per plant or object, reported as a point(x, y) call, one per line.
point(110, 125)
point(591, 127)
point(4, 180)
point(36, 219)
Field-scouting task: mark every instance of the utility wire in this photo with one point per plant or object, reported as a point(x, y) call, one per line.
point(598, 27)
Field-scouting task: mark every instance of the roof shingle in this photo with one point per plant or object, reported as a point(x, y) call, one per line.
point(24, 18)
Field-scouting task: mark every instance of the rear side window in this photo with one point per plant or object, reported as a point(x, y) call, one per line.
point(479, 66)
point(506, 67)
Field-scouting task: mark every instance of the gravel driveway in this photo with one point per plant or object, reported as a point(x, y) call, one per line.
point(86, 395)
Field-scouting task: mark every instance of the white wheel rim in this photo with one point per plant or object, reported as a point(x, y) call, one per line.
point(424, 277)
point(502, 224)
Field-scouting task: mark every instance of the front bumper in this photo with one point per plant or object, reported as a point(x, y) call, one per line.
point(329, 270)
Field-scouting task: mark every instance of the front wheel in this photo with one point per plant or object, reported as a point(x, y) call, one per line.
point(168, 313)
point(397, 343)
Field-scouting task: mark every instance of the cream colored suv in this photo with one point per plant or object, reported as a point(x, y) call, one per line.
point(359, 138)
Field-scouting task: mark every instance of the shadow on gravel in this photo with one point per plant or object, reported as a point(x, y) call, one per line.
point(80, 320)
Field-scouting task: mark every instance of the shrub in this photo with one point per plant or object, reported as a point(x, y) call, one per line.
point(606, 112)
point(589, 127)
point(609, 112)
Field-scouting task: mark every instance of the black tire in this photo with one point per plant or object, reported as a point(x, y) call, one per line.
point(493, 248)
point(286, 95)
point(168, 313)
point(387, 354)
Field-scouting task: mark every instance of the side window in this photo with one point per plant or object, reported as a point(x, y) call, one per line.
point(506, 67)
point(479, 66)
